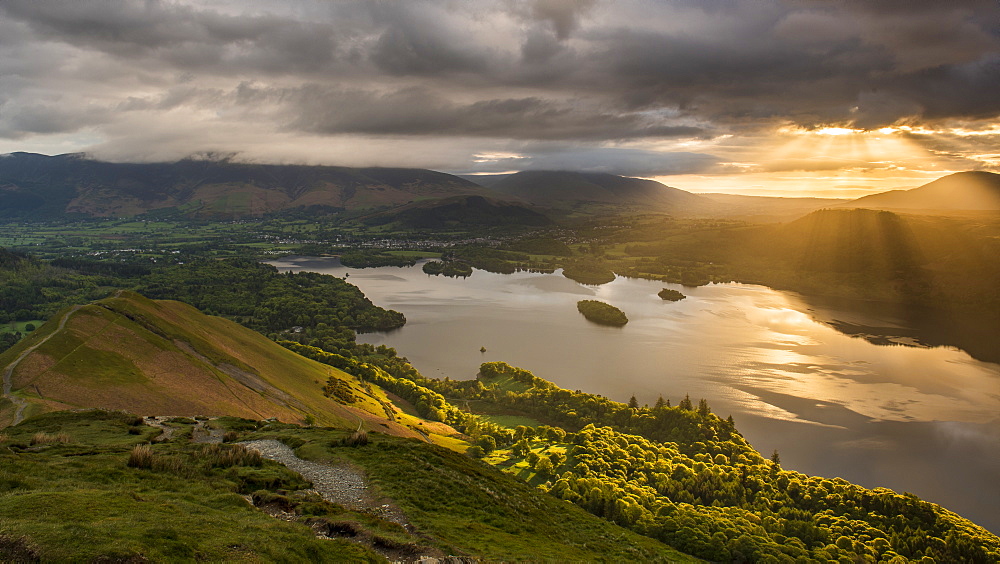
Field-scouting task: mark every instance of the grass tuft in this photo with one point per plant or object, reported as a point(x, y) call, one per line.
point(227, 456)
point(357, 438)
point(142, 456)
point(42, 438)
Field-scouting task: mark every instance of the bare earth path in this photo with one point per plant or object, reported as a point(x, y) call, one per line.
point(9, 372)
point(337, 483)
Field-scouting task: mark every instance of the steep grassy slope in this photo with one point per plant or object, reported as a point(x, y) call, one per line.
point(165, 357)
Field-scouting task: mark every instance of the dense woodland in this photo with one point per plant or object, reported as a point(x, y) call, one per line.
point(244, 290)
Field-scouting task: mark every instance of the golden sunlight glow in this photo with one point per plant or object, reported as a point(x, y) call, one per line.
point(837, 131)
point(837, 161)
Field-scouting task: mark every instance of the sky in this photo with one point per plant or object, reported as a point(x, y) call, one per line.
point(829, 98)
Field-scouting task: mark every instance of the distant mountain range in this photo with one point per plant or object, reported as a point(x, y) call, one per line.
point(44, 187)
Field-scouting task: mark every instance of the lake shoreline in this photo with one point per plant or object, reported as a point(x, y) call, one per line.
point(832, 404)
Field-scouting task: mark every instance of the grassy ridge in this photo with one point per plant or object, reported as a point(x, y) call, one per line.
point(164, 357)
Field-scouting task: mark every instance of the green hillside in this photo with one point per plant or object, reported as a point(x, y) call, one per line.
point(72, 489)
point(167, 358)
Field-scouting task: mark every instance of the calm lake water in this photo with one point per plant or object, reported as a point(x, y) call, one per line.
point(911, 418)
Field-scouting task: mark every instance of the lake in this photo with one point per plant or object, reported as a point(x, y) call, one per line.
point(878, 411)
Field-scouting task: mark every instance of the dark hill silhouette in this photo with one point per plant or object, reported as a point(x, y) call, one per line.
point(565, 188)
point(974, 190)
point(484, 180)
point(858, 240)
point(43, 186)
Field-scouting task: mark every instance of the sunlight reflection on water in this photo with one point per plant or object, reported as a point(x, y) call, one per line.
point(747, 349)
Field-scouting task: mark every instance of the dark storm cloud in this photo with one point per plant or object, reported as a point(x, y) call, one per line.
point(418, 111)
point(563, 15)
point(184, 37)
point(413, 41)
point(20, 119)
point(588, 71)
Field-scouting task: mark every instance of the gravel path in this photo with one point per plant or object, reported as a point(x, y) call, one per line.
point(339, 484)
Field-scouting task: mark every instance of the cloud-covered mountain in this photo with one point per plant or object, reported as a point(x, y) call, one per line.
point(42, 186)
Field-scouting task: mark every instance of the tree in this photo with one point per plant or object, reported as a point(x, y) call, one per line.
point(487, 443)
point(520, 448)
point(686, 403)
point(703, 408)
point(633, 403)
point(659, 402)
point(544, 466)
point(775, 458)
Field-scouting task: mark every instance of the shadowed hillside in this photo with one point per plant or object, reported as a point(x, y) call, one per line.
point(876, 242)
point(460, 211)
point(974, 190)
point(934, 261)
point(41, 186)
point(564, 188)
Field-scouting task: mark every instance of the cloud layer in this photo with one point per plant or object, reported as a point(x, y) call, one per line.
point(642, 87)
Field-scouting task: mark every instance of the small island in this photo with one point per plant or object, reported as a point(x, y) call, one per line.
point(451, 268)
point(671, 295)
point(600, 312)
